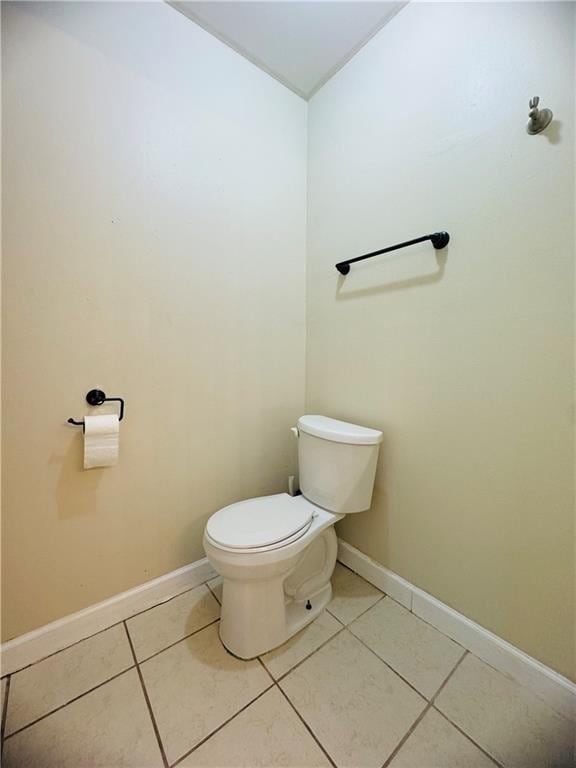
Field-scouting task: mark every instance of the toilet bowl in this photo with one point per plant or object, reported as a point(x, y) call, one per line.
point(276, 554)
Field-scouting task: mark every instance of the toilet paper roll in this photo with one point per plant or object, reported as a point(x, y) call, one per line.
point(101, 434)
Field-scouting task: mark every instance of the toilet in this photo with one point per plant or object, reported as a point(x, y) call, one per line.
point(276, 554)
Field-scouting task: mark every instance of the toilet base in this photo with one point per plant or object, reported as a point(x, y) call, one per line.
point(297, 615)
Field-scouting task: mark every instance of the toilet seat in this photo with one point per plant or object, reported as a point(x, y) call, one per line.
point(260, 524)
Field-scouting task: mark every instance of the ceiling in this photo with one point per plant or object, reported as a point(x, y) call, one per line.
point(300, 43)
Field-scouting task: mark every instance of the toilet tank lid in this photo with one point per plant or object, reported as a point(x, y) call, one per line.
point(338, 431)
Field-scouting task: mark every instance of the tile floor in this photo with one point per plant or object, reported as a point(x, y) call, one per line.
point(367, 685)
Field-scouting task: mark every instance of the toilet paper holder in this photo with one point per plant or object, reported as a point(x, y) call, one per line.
point(97, 397)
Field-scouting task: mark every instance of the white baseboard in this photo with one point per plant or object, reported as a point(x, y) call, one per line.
point(544, 682)
point(36, 645)
point(387, 581)
point(556, 690)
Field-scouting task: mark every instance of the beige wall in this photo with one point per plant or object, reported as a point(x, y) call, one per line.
point(154, 212)
point(465, 361)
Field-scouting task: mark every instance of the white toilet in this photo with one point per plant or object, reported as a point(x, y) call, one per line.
point(276, 554)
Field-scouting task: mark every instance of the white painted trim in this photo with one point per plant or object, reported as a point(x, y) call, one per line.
point(185, 10)
point(36, 645)
point(549, 685)
point(389, 582)
point(556, 690)
point(356, 49)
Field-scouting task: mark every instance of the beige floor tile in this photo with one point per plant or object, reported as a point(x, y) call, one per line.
point(169, 622)
point(282, 659)
point(195, 686)
point(351, 595)
point(506, 720)
point(3, 696)
point(435, 743)
point(268, 734)
point(50, 683)
point(422, 655)
point(355, 705)
point(108, 728)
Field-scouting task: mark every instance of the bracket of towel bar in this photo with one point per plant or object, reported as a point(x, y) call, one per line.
point(97, 397)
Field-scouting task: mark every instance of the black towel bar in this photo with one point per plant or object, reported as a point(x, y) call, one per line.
point(439, 240)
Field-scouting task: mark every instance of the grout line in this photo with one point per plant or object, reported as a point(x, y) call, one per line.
point(344, 624)
point(416, 616)
point(407, 735)
point(4, 714)
point(186, 637)
point(385, 594)
point(421, 716)
point(147, 699)
point(422, 696)
point(433, 705)
point(115, 624)
point(430, 705)
point(70, 701)
point(213, 593)
point(222, 725)
point(454, 668)
point(266, 669)
point(342, 627)
point(273, 684)
point(334, 617)
point(298, 664)
point(55, 653)
point(305, 724)
point(467, 736)
point(163, 602)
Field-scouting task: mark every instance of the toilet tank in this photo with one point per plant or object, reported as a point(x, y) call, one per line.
point(337, 463)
